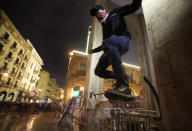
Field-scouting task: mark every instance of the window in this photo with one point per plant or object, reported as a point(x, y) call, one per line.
point(31, 78)
point(17, 61)
point(27, 75)
point(24, 85)
point(5, 65)
point(9, 81)
point(131, 78)
point(31, 65)
point(21, 52)
point(13, 71)
point(1, 47)
point(36, 83)
point(83, 67)
point(10, 55)
point(15, 85)
point(0, 77)
point(23, 65)
point(25, 57)
point(14, 45)
point(6, 36)
point(19, 74)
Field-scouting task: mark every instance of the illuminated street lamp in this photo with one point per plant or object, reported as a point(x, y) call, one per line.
point(81, 88)
point(5, 74)
point(71, 53)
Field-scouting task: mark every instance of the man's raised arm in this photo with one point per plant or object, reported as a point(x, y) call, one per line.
point(130, 8)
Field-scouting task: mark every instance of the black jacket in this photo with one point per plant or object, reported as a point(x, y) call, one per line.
point(115, 22)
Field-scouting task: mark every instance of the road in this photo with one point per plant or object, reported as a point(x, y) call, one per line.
point(29, 122)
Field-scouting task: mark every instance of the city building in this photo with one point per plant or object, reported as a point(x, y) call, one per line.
point(31, 75)
point(75, 78)
point(47, 88)
point(16, 53)
point(42, 85)
point(53, 87)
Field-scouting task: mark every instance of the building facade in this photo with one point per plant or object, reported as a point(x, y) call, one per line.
point(75, 78)
point(31, 75)
point(15, 55)
point(47, 88)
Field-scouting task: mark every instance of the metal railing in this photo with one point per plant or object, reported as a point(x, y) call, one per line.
point(14, 48)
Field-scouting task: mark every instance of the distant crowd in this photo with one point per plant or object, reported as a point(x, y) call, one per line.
point(30, 107)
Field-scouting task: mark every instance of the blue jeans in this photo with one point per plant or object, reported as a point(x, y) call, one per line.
point(114, 47)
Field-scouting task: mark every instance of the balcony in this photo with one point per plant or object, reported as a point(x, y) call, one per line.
point(19, 77)
point(12, 74)
point(26, 59)
point(32, 81)
point(35, 71)
point(2, 52)
point(10, 59)
point(81, 75)
point(8, 83)
point(20, 54)
point(14, 48)
point(4, 69)
point(3, 82)
point(4, 40)
point(15, 86)
point(23, 68)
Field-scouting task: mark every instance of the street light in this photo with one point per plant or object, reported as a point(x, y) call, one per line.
point(71, 53)
point(81, 88)
point(5, 74)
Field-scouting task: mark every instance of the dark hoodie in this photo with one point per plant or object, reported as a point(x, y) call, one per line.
point(115, 23)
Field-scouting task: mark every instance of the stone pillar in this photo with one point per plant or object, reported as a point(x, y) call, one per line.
point(94, 84)
point(169, 30)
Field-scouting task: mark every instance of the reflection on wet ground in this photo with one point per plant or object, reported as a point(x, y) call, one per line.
point(30, 122)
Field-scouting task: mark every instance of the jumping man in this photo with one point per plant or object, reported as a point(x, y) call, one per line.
point(116, 38)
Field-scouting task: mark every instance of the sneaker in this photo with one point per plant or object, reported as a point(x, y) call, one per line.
point(122, 87)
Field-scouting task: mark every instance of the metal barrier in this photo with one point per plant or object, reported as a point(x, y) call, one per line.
point(129, 120)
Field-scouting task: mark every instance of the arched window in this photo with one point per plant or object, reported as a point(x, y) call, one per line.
point(3, 95)
point(76, 91)
point(10, 97)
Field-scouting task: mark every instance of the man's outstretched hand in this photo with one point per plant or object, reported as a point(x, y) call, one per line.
point(90, 52)
point(95, 50)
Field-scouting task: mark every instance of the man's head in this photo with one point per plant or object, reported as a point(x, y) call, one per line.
point(99, 12)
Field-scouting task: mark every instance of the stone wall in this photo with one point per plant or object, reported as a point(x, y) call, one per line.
point(170, 41)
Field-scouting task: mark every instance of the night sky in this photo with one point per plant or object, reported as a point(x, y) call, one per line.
point(54, 27)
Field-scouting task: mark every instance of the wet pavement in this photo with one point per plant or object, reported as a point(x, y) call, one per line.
point(29, 122)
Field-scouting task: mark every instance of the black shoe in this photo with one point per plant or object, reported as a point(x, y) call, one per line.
point(122, 88)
